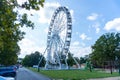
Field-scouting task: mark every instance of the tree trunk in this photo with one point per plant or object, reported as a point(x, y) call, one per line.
point(111, 67)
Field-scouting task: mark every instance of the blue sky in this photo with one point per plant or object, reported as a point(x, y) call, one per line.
point(91, 19)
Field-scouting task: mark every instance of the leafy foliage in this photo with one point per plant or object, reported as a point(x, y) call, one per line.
point(106, 48)
point(84, 59)
point(33, 59)
point(10, 23)
point(70, 60)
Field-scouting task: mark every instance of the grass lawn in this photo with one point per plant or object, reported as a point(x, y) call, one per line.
point(75, 74)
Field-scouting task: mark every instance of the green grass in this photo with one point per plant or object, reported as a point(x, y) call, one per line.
point(75, 74)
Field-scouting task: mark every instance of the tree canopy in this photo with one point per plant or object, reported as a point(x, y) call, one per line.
point(84, 59)
point(10, 23)
point(33, 59)
point(106, 48)
point(70, 59)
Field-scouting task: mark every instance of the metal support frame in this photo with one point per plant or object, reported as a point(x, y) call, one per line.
point(57, 46)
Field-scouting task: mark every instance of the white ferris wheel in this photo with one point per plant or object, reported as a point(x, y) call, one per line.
point(58, 38)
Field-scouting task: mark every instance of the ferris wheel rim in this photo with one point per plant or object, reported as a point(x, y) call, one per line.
point(68, 33)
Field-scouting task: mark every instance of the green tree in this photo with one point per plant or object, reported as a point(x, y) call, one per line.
point(84, 59)
point(10, 23)
point(89, 65)
point(33, 59)
point(106, 48)
point(70, 59)
point(26, 61)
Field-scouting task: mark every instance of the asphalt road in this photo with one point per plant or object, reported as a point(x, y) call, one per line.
point(25, 74)
point(109, 78)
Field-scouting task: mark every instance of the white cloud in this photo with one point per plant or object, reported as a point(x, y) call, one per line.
point(113, 25)
point(44, 15)
point(97, 27)
point(72, 15)
point(28, 46)
point(80, 51)
point(83, 36)
point(76, 33)
point(72, 12)
point(82, 44)
point(92, 17)
point(75, 43)
point(46, 30)
point(88, 38)
point(97, 30)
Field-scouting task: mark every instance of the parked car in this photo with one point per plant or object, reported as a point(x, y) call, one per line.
point(9, 71)
point(6, 78)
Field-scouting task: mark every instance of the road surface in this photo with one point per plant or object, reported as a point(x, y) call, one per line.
point(25, 74)
point(109, 78)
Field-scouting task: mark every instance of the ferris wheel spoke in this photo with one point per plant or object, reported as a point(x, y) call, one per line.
point(61, 20)
point(62, 23)
point(54, 25)
point(62, 42)
point(59, 46)
point(56, 42)
point(56, 21)
point(58, 17)
point(63, 26)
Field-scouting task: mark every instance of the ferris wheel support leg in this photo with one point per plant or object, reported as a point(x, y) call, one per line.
point(41, 60)
point(59, 64)
point(58, 59)
point(46, 65)
point(75, 61)
point(66, 63)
